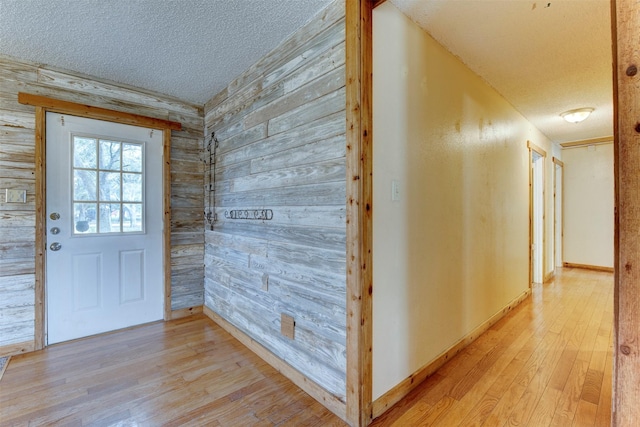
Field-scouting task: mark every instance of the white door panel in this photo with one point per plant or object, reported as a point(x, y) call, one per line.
point(103, 180)
point(537, 246)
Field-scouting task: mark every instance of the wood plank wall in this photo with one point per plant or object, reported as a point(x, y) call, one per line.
point(17, 165)
point(281, 131)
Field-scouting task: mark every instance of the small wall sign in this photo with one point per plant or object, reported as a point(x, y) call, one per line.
point(254, 214)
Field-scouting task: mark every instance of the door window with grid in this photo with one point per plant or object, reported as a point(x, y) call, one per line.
point(108, 186)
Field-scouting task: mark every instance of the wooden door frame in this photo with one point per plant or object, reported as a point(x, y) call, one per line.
point(359, 186)
point(533, 147)
point(625, 24)
point(43, 105)
point(558, 164)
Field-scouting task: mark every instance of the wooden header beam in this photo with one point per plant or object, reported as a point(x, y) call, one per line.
point(74, 109)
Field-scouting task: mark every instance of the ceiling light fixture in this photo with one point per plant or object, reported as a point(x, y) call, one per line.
point(576, 116)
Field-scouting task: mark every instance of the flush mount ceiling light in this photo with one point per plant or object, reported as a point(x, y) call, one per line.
point(576, 116)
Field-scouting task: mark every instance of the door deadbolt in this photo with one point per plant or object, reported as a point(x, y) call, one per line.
point(55, 230)
point(55, 246)
point(54, 216)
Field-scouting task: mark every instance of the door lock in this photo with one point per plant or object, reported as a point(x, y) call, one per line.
point(55, 246)
point(55, 230)
point(54, 216)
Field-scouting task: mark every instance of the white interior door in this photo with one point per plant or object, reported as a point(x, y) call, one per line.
point(104, 226)
point(538, 218)
point(558, 215)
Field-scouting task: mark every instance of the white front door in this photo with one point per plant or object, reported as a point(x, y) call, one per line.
point(104, 226)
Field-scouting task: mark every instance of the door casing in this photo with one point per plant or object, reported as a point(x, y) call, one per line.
point(43, 105)
point(558, 219)
point(543, 154)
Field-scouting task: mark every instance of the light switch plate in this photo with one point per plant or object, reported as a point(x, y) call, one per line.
point(16, 196)
point(395, 190)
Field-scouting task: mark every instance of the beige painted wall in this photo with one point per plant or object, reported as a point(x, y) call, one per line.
point(453, 250)
point(588, 205)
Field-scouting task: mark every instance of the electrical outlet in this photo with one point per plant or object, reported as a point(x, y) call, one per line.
point(16, 196)
point(287, 326)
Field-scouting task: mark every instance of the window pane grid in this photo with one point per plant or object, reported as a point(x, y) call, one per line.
point(107, 186)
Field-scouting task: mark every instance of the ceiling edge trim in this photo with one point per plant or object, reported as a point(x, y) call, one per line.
point(592, 141)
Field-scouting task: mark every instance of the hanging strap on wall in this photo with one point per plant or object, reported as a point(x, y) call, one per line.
point(210, 214)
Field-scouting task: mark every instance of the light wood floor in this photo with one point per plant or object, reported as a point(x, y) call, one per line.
point(547, 363)
point(187, 372)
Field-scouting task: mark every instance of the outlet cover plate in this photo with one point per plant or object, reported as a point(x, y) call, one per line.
point(16, 196)
point(287, 326)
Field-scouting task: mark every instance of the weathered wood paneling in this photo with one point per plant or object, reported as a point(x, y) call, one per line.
point(326, 127)
point(281, 132)
point(16, 308)
point(17, 171)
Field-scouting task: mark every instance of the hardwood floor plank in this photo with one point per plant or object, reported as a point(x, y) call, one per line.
point(595, 375)
point(592, 384)
point(509, 401)
point(492, 385)
point(531, 368)
point(524, 410)
point(603, 416)
point(585, 414)
point(417, 395)
point(570, 396)
point(526, 407)
point(589, 327)
point(417, 410)
point(507, 336)
point(431, 416)
point(176, 373)
point(546, 408)
point(475, 405)
point(563, 368)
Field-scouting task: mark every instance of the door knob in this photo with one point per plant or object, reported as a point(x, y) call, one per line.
point(55, 246)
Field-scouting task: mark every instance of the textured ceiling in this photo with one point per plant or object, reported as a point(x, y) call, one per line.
point(545, 57)
point(190, 49)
